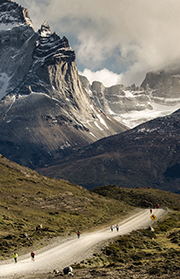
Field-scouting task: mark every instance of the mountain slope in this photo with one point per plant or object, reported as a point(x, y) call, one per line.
point(132, 105)
point(148, 155)
point(46, 112)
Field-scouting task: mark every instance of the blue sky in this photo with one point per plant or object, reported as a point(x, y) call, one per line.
point(116, 41)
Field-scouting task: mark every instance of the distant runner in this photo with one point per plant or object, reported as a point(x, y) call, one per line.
point(78, 234)
point(15, 256)
point(117, 227)
point(112, 228)
point(32, 256)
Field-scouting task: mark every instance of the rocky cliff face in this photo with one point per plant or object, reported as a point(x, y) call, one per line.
point(157, 96)
point(45, 112)
point(17, 39)
point(165, 84)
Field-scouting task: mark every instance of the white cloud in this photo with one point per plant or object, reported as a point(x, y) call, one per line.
point(129, 36)
point(105, 76)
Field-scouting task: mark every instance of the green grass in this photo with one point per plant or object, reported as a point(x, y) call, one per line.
point(28, 199)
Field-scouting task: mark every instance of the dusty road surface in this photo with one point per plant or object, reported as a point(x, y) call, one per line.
point(73, 249)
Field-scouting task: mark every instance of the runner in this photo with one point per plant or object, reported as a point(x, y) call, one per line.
point(112, 228)
point(78, 234)
point(117, 227)
point(15, 256)
point(32, 256)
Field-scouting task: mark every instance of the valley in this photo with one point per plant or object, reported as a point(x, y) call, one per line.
point(77, 156)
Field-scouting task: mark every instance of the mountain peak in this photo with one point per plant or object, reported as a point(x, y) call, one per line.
point(12, 13)
point(50, 48)
point(42, 92)
point(45, 30)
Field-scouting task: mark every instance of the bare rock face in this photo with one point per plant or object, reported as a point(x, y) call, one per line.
point(120, 101)
point(45, 112)
point(51, 49)
point(164, 84)
point(15, 30)
point(119, 98)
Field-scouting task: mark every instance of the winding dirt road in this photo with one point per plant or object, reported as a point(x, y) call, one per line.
point(73, 250)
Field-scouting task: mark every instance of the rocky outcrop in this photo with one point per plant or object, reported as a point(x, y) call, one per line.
point(46, 113)
point(164, 84)
point(51, 49)
point(120, 99)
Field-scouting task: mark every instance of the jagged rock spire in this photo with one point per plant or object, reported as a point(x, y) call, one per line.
point(50, 48)
point(45, 29)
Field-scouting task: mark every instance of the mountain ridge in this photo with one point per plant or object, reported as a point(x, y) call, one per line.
point(148, 155)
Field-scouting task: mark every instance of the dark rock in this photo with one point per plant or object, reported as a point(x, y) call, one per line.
point(68, 270)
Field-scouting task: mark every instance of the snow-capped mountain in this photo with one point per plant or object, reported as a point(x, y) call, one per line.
point(159, 95)
point(44, 110)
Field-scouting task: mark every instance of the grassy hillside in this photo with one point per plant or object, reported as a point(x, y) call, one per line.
point(28, 200)
point(140, 197)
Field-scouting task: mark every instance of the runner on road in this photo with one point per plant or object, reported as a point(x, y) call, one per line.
point(15, 256)
point(32, 256)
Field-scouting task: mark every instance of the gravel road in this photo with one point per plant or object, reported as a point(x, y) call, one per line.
point(72, 249)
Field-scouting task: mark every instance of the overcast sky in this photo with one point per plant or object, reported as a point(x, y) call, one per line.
point(116, 41)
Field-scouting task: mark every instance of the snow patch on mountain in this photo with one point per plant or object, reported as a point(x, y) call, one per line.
point(97, 125)
point(7, 26)
point(93, 135)
point(128, 94)
point(135, 118)
point(102, 121)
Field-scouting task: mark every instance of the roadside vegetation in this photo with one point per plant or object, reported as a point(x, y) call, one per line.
point(146, 253)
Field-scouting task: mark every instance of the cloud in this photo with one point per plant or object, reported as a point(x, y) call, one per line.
point(128, 37)
point(105, 76)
